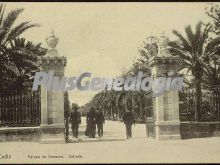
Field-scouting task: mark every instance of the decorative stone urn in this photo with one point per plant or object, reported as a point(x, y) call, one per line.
point(52, 102)
point(52, 40)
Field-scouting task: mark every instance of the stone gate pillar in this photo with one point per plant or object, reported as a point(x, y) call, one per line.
point(165, 106)
point(52, 102)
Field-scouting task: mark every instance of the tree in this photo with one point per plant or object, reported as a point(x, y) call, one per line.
point(213, 11)
point(12, 50)
point(116, 102)
point(148, 50)
point(211, 79)
point(211, 83)
point(24, 55)
point(195, 50)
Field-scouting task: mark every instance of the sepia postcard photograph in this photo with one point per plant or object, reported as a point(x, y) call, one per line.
point(109, 82)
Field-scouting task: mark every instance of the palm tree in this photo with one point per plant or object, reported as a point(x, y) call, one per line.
point(195, 50)
point(148, 50)
point(118, 101)
point(211, 83)
point(212, 10)
point(211, 78)
point(24, 56)
point(9, 32)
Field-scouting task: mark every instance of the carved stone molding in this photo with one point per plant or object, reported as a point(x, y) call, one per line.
point(164, 60)
point(53, 61)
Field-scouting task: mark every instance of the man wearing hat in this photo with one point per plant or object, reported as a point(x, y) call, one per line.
point(100, 120)
point(75, 119)
point(129, 120)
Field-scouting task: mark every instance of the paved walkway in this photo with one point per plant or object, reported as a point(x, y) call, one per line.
point(113, 148)
point(113, 131)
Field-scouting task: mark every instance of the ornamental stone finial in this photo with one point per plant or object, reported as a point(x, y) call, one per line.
point(52, 40)
point(163, 46)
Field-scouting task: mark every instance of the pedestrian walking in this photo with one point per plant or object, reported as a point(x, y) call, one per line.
point(75, 119)
point(91, 122)
point(100, 120)
point(128, 119)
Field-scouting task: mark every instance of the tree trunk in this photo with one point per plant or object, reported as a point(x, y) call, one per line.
point(140, 106)
point(133, 104)
point(218, 104)
point(111, 111)
point(198, 100)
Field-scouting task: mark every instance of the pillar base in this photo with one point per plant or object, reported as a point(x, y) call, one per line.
point(52, 134)
point(168, 130)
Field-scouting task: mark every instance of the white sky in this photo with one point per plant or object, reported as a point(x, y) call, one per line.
point(103, 38)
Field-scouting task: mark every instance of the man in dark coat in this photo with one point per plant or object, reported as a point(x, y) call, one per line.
point(128, 119)
point(75, 119)
point(100, 120)
point(91, 122)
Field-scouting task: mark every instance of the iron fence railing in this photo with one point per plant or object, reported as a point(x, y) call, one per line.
point(21, 109)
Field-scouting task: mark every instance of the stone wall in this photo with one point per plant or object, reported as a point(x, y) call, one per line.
point(190, 130)
point(27, 134)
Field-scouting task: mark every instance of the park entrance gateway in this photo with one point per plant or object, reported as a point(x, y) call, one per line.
point(47, 119)
point(164, 119)
point(165, 114)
